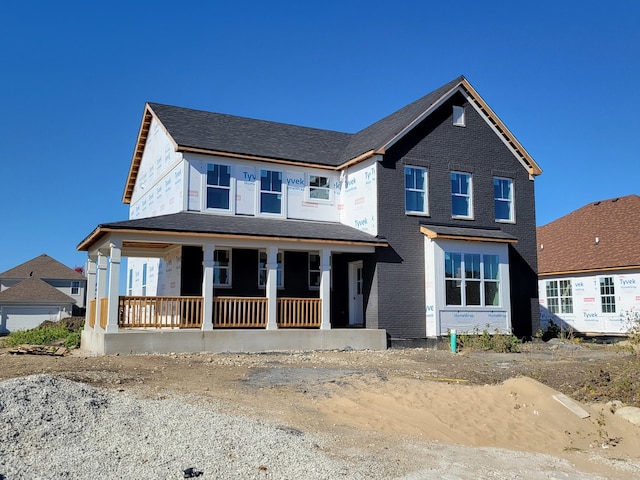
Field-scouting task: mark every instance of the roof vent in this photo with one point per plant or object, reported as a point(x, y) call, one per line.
point(597, 203)
point(615, 199)
point(542, 246)
point(597, 240)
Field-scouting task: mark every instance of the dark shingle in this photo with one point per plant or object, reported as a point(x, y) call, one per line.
point(32, 290)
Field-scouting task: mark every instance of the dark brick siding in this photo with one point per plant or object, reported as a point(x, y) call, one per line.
point(442, 147)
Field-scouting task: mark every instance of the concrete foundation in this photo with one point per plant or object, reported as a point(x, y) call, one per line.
point(132, 341)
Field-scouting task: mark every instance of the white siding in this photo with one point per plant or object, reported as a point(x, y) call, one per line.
point(14, 318)
point(358, 197)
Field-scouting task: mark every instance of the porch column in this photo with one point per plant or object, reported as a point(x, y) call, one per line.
point(272, 288)
point(207, 286)
point(325, 289)
point(115, 258)
point(101, 290)
point(90, 270)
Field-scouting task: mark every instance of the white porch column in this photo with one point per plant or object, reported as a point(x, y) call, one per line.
point(325, 289)
point(101, 290)
point(90, 270)
point(115, 258)
point(272, 288)
point(207, 286)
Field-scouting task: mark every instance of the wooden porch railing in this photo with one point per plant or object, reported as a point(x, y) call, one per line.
point(299, 312)
point(104, 308)
point(160, 312)
point(239, 312)
point(92, 313)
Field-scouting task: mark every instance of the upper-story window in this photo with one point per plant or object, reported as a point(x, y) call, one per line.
point(458, 116)
point(503, 199)
point(75, 288)
point(415, 190)
point(271, 192)
point(319, 188)
point(218, 186)
point(222, 267)
point(461, 190)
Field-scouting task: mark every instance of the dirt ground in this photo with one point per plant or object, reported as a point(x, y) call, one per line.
point(373, 401)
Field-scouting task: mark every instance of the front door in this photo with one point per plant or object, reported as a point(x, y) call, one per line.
point(355, 293)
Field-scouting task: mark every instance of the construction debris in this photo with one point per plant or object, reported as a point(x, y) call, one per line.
point(40, 350)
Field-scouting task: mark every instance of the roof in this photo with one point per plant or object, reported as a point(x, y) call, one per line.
point(42, 266)
point(33, 290)
point(602, 235)
point(467, 233)
point(237, 226)
point(222, 134)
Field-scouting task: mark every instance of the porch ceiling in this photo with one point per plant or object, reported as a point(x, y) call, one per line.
point(162, 232)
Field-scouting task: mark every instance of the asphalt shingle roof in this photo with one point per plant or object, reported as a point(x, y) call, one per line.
point(569, 244)
point(186, 222)
point(470, 232)
point(33, 290)
point(42, 266)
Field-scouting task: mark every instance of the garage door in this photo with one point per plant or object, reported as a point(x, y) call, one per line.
point(24, 318)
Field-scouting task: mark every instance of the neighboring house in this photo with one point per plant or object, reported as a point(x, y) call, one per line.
point(589, 267)
point(38, 290)
point(263, 235)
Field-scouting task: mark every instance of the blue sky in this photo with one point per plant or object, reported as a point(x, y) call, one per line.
point(75, 76)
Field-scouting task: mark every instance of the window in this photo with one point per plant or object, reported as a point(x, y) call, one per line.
point(314, 270)
point(218, 186)
point(262, 270)
point(270, 192)
point(461, 195)
point(607, 295)
point(559, 296)
point(415, 190)
point(75, 288)
point(222, 267)
point(319, 188)
point(130, 283)
point(503, 198)
point(144, 279)
point(458, 116)
point(471, 279)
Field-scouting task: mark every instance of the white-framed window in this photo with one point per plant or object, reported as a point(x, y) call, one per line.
point(130, 283)
point(461, 195)
point(271, 192)
point(262, 269)
point(218, 187)
point(472, 279)
point(319, 189)
point(458, 116)
point(559, 296)
point(144, 279)
point(503, 199)
point(75, 288)
point(222, 267)
point(607, 295)
point(415, 190)
point(314, 270)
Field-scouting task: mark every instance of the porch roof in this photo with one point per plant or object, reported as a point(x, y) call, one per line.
point(236, 226)
point(450, 232)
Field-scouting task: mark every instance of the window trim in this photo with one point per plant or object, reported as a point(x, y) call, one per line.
point(229, 283)
point(458, 119)
point(610, 295)
point(425, 191)
point(230, 189)
point(469, 195)
point(282, 193)
point(563, 304)
point(75, 284)
point(309, 187)
point(512, 209)
point(280, 268)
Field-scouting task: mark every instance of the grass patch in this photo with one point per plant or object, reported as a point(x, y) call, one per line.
point(45, 334)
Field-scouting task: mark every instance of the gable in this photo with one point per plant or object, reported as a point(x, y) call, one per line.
point(42, 266)
point(599, 236)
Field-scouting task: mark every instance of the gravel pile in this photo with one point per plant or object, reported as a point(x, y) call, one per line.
point(55, 428)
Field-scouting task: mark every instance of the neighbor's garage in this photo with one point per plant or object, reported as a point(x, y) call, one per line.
point(14, 318)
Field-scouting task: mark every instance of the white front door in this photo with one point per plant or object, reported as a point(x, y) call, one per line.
point(355, 293)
